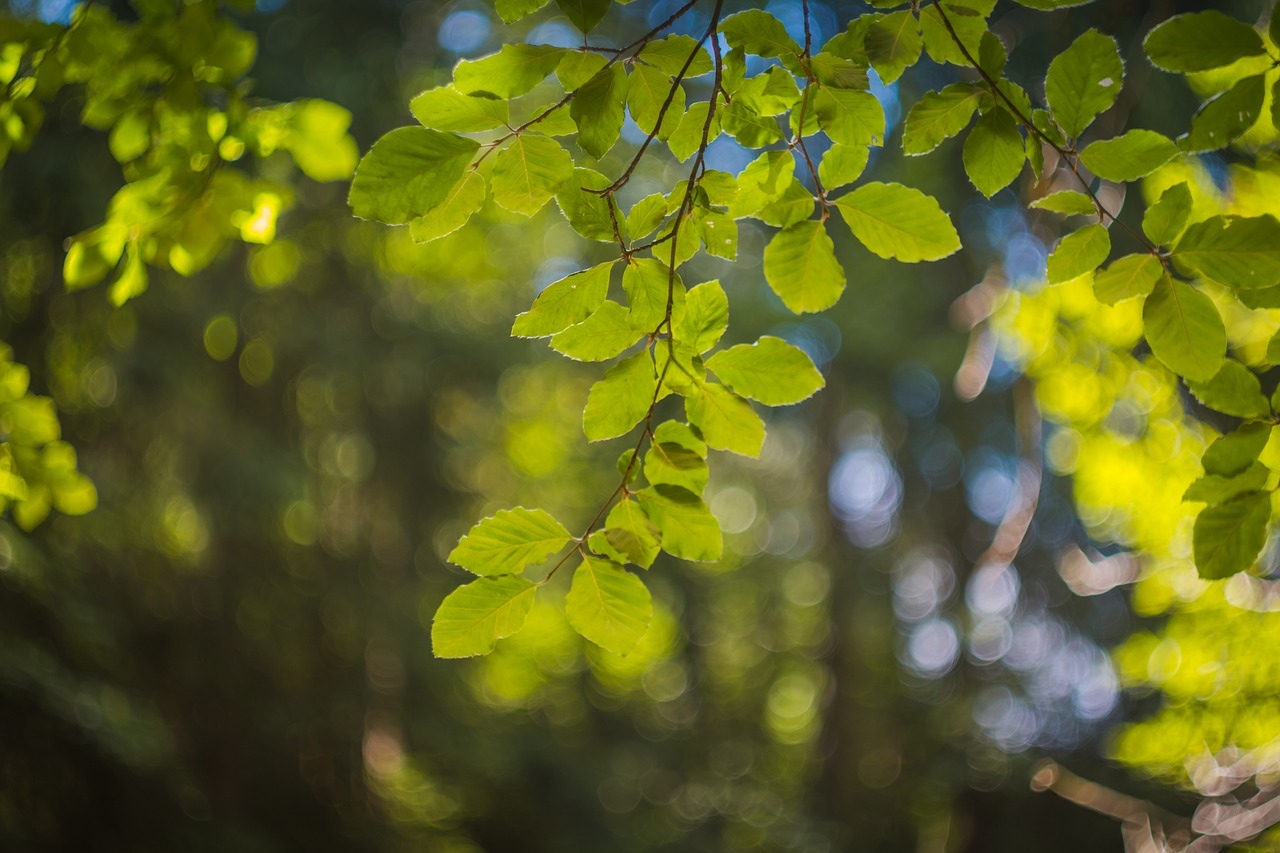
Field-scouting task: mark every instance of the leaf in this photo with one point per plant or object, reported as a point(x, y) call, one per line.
point(509, 540)
point(1164, 221)
point(800, 265)
point(474, 617)
point(687, 137)
point(938, 39)
point(584, 14)
point(770, 371)
point(720, 235)
point(1239, 252)
point(606, 333)
point(408, 172)
point(608, 605)
point(1213, 489)
point(1130, 156)
point(899, 222)
point(597, 110)
point(1199, 41)
point(1078, 253)
point(795, 205)
point(466, 197)
point(842, 164)
point(670, 54)
point(688, 529)
point(509, 73)
point(1225, 117)
point(758, 33)
point(764, 180)
point(1227, 538)
point(676, 465)
point(588, 212)
point(1234, 390)
point(577, 67)
point(648, 283)
point(647, 91)
point(839, 72)
point(564, 303)
point(745, 123)
point(631, 534)
point(1131, 275)
point(994, 152)
point(1083, 81)
point(513, 10)
point(1184, 329)
point(893, 44)
point(445, 108)
point(646, 215)
point(726, 421)
point(706, 316)
point(622, 399)
point(938, 116)
point(528, 172)
point(1069, 202)
point(679, 367)
point(1235, 452)
point(849, 116)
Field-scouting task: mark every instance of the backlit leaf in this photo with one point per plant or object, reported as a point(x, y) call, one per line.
point(1130, 156)
point(1184, 329)
point(509, 73)
point(994, 152)
point(621, 399)
point(1078, 253)
point(608, 605)
point(528, 172)
point(895, 221)
point(800, 265)
point(408, 172)
point(1239, 252)
point(474, 617)
point(726, 421)
point(1227, 538)
point(1083, 81)
point(564, 303)
point(606, 333)
point(938, 116)
point(770, 371)
point(1198, 41)
point(509, 540)
point(687, 527)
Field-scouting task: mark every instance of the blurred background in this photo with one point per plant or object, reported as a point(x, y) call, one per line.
point(232, 652)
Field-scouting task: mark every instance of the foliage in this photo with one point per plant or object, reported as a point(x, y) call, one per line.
point(501, 120)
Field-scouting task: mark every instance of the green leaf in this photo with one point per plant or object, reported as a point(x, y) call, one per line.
point(1070, 202)
point(726, 421)
point(680, 368)
point(445, 108)
point(528, 172)
point(509, 540)
point(1184, 329)
point(1164, 221)
point(764, 180)
point(564, 303)
point(687, 137)
point(1234, 390)
point(588, 212)
point(647, 283)
point(1213, 489)
point(994, 152)
point(676, 465)
point(1233, 453)
point(838, 72)
point(1225, 117)
point(1050, 5)
point(509, 73)
point(408, 172)
point(1199, 41)
point(474, 617)
point(770, 371)
point(1239, 252)
point(577, 67)
point(670, 54)
point(597, 110)
point(466, 197)
point(795, 205)
point(646, 215)
point(584, 14)
point(849, 116)
point(1083, 81)
point(759, 34)
point(893, 44)
point(622, 399)
point(1130, 156)
point(647, 91)
point(938, 39)
point(899, 222)
point(689, 530)
point(631, 534)
point(706, 316)
point(720, 234)
point(842, 164)
point(606, 333)
point(1131, 275)
point(1078, 253)
point(1227, 538)
point(800, 265)
point(748, 126)
point(513, 10)
point(608, 605)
